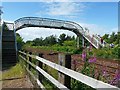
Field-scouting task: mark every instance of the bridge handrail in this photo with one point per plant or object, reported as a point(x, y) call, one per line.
point(75, 75)
point(42, 19)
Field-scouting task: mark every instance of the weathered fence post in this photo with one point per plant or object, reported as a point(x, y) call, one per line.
point(40, 64)
point(25, 56)
point(29, 59)
point(65, 60)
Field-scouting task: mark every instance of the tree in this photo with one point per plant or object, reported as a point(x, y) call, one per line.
point(118, 38)
point(20, 41)
point(113, 37)
point(38, 42)
point(29, 43)
point(106, 38)
point(62, 38)
point(50, 40)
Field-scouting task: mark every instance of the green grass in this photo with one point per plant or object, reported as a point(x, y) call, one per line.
point(51, 71)
point(14, 72)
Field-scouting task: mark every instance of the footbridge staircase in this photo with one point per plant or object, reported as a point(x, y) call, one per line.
point(9, 50)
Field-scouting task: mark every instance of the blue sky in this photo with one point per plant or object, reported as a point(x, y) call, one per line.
point(98, 17)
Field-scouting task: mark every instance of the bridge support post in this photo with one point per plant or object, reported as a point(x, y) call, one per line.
point(78, 42)
point(83, 41)
point(64, 60)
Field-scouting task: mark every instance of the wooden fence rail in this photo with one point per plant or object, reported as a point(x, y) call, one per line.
point(73, 74)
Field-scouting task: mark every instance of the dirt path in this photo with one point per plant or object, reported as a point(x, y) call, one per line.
point(15, 77)
point(21, 82)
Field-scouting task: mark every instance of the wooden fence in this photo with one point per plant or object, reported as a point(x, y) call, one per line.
point(68, 72)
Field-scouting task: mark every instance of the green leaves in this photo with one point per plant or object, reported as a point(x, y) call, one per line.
point(19, 40)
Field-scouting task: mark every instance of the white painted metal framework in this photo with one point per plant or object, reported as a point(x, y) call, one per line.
point(57, 24)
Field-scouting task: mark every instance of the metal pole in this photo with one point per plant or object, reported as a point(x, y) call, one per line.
point(0, 47)
point(1, 12)
point(78, 42)
point(83, 41)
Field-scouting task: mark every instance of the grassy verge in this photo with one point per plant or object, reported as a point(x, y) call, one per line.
point(14, 72)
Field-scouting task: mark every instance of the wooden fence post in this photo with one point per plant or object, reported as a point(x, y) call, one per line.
point(68, 65)
point(25, 56)
point(65, 60)
point(29, 59)
point(40, 64)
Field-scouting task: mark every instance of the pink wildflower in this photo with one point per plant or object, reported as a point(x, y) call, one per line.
point(92, 60)
point(116, 78)
point(83, 56)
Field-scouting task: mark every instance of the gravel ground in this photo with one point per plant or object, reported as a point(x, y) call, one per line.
point(23, 82)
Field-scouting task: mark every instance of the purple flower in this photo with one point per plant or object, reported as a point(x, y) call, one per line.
point(117, 75)
point(92, 60)
point(104, 72)
point(116, 78)
point(74, 62)
point(83, 56)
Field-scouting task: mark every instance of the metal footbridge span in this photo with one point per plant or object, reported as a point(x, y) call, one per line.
point(57, 24)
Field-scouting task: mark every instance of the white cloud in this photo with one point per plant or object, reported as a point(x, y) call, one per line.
point(94, 29)
point(32, 33)
point(97, 29)
point(65, 8)
point(62, 9)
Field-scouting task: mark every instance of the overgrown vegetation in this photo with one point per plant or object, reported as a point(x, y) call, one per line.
point(14, 72)
point(112, 38)
point(110, 53)
point(67, 44)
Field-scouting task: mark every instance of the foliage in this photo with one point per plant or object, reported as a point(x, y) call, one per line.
point(88, 56)
point(111, 53)
point(112, 38)
point(69, 43)
point(88, 69)
point(76, 85)
point(19, 40)
point(52, 40)
point(37, 42)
